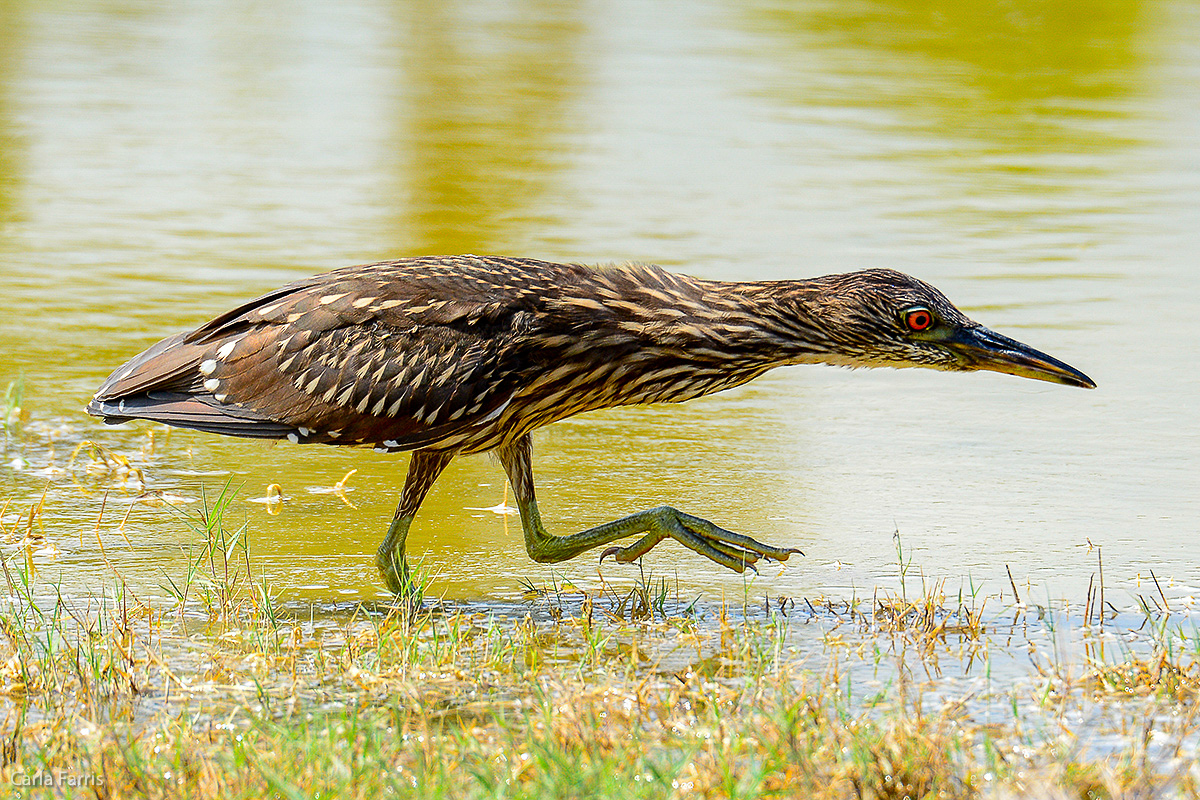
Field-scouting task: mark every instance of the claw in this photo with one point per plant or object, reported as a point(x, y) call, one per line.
point(612, 551)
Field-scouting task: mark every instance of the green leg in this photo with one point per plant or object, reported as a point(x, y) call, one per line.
point(727, 548)
point(423, 470)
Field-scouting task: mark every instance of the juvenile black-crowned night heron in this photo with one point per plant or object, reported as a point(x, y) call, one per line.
point(446, 356)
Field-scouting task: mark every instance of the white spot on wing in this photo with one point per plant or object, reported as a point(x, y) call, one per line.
point(227, 348)
point(212, 384)
point(208, 367)
point(293, 438)
point(332, 298)
point(304, 431)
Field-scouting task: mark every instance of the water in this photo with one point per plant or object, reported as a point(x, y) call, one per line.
point(161, 162)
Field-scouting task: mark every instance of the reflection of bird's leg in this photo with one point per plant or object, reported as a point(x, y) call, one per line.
point(423, 470)
point(724, 547)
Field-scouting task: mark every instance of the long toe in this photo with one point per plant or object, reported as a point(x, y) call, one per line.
point(732, 557)
point(736, 560)
point(731, 550)
point(746, 557)
point(736, 541)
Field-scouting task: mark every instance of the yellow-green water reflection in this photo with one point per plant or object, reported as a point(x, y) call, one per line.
point(159, 163)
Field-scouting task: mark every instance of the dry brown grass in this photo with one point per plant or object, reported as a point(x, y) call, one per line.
point(219, 693)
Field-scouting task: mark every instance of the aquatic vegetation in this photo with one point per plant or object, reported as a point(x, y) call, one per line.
point(11, 412)
point(215, 687)
point(221, 691)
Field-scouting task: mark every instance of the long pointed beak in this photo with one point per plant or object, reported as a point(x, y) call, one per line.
point(981, 348)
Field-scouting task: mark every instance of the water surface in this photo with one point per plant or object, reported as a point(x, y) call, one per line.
point(162, 162)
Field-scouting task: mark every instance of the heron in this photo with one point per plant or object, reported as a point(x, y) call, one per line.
point(453, 355)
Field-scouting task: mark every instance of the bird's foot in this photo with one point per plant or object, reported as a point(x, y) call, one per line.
point(393, 567)
point(729, 549)
point(396, 578)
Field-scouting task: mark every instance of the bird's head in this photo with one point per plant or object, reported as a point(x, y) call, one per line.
point(885, 318)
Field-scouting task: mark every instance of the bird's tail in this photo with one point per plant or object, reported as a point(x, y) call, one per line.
point(164, 384)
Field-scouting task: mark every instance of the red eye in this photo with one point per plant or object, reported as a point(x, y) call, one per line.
point(918, 319)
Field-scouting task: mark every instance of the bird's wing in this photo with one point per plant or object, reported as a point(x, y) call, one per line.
point(354, 357)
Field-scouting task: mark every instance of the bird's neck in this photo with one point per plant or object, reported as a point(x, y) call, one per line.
point(762, 324)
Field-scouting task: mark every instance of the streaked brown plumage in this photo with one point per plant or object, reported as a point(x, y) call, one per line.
point(466, 354)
